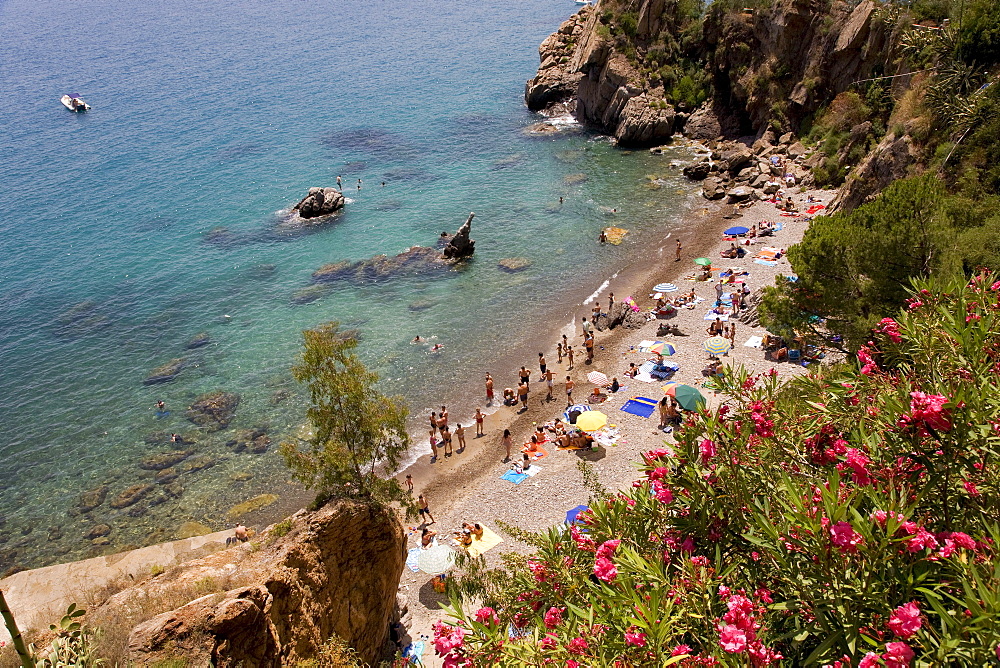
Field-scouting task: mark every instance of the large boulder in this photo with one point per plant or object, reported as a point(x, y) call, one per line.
point(319, 202)
point(697, 171)
point(335, 572)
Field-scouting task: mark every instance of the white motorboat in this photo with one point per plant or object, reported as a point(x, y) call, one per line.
point(583, 2)
point(74, 102)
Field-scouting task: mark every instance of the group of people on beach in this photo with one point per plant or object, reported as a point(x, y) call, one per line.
point(442, 437)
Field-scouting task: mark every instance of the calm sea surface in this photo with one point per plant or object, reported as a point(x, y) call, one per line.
point(219, 116)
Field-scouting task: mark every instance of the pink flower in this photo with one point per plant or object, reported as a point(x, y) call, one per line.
point(635, 638)
point(707, 449)
point(870, 660)
point(732, 639)
point(577, 646)
point(905, 620)
point(553, 617)
point(686, 649)
point(890, 328)
point(608, 548)
point(537, 569)
point(659, 473)
point(487, 616)
point(843, 535)
point(570, 663)
point(868, 362)
point(963, 540)
point(858, 462)
point(448, 638)
point(549, 642)
point(605, 569)
point(930, 409)
point(688, 545)
point(582, 540)
point(923, 539)
point(663, 494)
point(897, 655)
point(971, 488)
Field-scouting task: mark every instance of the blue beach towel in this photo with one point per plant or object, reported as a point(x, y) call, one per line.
point(641, 406)
point(413, 652)
point(411, 559)
point(778, 227)
point(767, 263)
point(516, 478)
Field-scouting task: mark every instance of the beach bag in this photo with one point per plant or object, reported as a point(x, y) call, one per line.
point(438, 583)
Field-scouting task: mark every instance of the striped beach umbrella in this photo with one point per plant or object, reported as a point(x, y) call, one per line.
point(670, 388)
point(662, 348)
point(597, 378)
point(665, 287)
point(436, 560)
point(717, 345)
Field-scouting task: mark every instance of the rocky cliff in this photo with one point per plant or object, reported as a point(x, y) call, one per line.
point(644, 70)
point(273, 601)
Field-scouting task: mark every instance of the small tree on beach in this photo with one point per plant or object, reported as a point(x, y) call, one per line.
point(356, 430)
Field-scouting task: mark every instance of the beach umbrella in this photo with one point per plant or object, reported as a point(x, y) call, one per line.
point(662, 348)
point(736, 231)
point(436, 560)
point(573, 513)
point(597, 378)
point(703, 261)
point(717, 345)
point(591, 420)
point(670, 388)
point(665, 287)
point(689, 397)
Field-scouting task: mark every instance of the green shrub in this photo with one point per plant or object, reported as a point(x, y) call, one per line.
point(281, 528)
point(850, 514)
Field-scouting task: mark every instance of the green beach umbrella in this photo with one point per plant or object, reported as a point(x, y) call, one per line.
point(689, 397)
point(703, 261)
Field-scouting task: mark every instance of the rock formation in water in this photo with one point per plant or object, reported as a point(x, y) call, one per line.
point(319, 202)
point(278, 599)
point(461, 245)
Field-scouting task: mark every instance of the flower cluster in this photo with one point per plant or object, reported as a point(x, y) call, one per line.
point(739, 626)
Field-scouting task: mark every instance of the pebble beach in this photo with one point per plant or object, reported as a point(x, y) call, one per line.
point(467, 486)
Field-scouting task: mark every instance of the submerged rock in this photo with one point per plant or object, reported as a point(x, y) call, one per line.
point(92, 498)
point(319, 202)
point(310, 293)
point(421, 305)
point(97, 531)
point(574, 179)
point(165, 372)
point(214, 410)
point(256, 503)
point(164, 460)
point(198, 340)
point(199, 463)
point(131, 496)
point(514, 264)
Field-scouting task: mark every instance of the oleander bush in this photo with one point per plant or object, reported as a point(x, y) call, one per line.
point(844, 518)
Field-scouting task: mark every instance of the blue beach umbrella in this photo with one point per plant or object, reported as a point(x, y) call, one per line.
point(572, 513)
point(736, 231)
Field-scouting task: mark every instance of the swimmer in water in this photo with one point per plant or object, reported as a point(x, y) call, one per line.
point(417, 339)
point(160, 405)
point(436, 347)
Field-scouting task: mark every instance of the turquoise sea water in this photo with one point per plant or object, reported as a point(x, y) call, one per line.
point(220, 115)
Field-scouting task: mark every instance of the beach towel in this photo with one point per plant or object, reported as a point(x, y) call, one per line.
point(777, 227)
point(516, 478)
point(413, 652)
point(754, 342)
point(814, 208)
point(723, 317)
point(482, 545)
point(615, 235)
point(411, 559)
point(767, 263)
point(606, 437)
point(540, 452)
point(641, 406)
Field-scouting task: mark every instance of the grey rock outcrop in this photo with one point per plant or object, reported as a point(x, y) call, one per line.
point(890, 161)
point(319, 202)
point(461, 245)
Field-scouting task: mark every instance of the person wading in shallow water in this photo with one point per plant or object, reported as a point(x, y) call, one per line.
point(489, 390)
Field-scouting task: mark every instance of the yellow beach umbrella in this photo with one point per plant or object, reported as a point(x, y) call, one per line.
point(591, 420)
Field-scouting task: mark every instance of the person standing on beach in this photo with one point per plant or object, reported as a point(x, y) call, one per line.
point(424, 509)
point(507, 443)
point(434, 422)
point(611, 301)
point(565, 343)
point(663, 407)
point(409, 483)
point(443, 417)
point(569, 354)
point(522, 393)
point(446, 441)
point(732, 333)
point(589, 343)
point(586, 327)
point(718, 293)
point(524, 375)
point(549, 375)
point(541, 363)
point(569, 391)
point(480, 418)
point(559, 351)
point(678, 258)
point(489, 390)
point(460, 432)
point(434, 446)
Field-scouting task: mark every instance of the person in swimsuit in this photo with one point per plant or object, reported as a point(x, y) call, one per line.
point(559, 351)
point(522, 393)
point(434, 446)
point(434, 422)
point(446, 441)
point(460, 432)
point(480, 418)
point(549, 375)
point(427, 537)
point(443, 415)
point(424, 509)
point(541, 363)
point(569, 354)
point(569, 391)
point(524, 375)
point(489, 390)
point(507, 443)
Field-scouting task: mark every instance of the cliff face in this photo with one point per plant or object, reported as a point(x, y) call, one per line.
point(335, 572)
point(768, 68)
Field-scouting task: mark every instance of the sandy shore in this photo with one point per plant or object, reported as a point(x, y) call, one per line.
point(467, 485)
